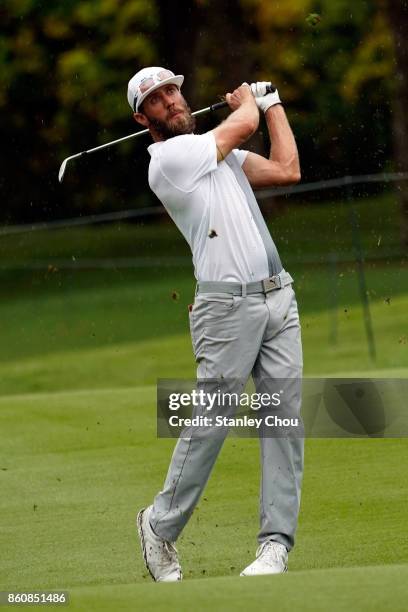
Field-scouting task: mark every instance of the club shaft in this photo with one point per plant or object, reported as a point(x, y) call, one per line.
point(213, 107)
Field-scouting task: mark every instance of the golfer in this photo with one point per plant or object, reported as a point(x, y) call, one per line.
point(244, 319)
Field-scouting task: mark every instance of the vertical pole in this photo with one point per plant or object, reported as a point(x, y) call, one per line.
point(333, 298)
point(358, 250)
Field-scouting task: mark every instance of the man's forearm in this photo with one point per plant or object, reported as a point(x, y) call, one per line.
point(247, 114)
point(240, 125)
point(283, 145)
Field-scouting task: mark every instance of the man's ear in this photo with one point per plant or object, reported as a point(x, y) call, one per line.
point(141, 118)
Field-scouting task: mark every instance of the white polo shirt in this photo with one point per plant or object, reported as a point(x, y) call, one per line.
point(209, 207)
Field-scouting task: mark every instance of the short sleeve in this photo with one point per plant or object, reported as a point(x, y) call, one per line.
point(185, 159)
point(240, 154)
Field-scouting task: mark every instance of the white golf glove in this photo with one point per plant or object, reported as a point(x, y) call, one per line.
point(264, 100)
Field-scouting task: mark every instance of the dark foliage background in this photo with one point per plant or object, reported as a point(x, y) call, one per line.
point(64, 69)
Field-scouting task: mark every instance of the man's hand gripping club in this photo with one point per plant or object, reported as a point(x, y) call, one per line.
point(263, 98)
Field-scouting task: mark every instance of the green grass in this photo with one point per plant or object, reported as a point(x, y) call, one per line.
point(75, 337)
point(302, 231)
point(80, 354)
point(373, 588)
point(75, 467)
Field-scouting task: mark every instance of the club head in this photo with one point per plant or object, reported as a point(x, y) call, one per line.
point(62, 170)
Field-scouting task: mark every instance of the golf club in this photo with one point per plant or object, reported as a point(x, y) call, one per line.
point(270, 89)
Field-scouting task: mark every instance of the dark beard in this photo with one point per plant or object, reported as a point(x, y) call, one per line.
point(185, 125)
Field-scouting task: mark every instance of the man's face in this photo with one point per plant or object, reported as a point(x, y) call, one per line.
point(166, 113)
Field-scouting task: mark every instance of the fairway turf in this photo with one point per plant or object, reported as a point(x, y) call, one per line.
point(76, 466)
point(135, 333)
point(80, 355)
point(377, 589)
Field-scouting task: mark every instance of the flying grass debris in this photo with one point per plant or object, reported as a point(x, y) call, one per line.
point(313, 19)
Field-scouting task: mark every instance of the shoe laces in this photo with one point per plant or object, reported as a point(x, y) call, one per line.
point(171, 551)
point(271, 552)
point(170, 556)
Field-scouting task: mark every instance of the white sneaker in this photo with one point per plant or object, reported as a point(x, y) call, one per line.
point(160, 556)
point(271, 558)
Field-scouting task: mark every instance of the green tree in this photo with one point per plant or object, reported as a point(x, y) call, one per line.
point(64, 69)
point(398, 17)
point(334, 85)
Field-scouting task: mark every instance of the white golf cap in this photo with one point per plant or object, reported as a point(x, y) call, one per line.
point(147, 80)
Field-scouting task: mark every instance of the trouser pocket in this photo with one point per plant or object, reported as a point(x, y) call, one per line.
point(213, 306)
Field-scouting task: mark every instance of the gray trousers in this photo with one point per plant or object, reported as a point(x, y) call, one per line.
point(234, 337)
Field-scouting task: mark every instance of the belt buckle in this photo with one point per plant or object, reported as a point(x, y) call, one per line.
point(272, 283)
